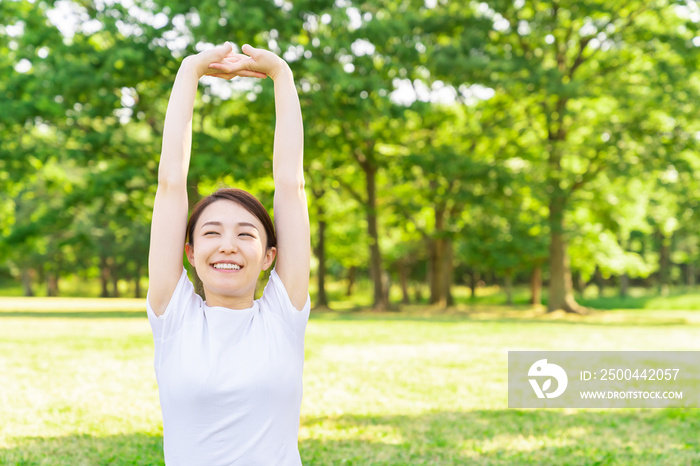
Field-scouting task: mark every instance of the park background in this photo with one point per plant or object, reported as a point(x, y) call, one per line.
point(469, 167)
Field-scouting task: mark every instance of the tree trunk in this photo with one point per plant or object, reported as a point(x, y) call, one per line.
point(52, 284)
point(624, 241)
point(599, 282)
point(438, 249)
point(27, 282)
point(560, 285)
point(474, 280)
point(380, 302)
point(137, 281)
point(536, 286)
point(508, 282)
point(318, 193)
point(624, 285)
point(352, 274)
point(386, 287)
point(115, 284)
point(436, 271)
point(418, 293)
point(664, 264)
point(428, 243)
point(448, 273)
point(578, 282)
point(403, 280)
point(104, 277)
point(561, 294)
point(322, 300)
point(690, 274)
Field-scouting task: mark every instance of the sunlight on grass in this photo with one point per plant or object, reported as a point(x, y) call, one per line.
point(415, 387)
point(71, 304)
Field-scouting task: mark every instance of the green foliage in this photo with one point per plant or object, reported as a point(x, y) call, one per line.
point(584, 104)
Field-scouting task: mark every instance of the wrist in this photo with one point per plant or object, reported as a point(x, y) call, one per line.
point(190, 66)
point(283, 72)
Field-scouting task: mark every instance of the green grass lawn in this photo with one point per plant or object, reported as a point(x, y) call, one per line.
point(418, 387)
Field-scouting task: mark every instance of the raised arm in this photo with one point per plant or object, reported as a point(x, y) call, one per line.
point(290, 207)
point(170, 208)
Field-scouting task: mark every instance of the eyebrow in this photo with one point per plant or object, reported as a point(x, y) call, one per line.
point(219, 224)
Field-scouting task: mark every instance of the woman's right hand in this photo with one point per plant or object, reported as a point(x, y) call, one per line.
point(201, 62)
point(256, 61)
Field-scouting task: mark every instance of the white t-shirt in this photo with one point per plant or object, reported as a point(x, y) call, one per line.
point(230, 381)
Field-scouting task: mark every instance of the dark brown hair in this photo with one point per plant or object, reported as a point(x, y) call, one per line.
point(239, 196)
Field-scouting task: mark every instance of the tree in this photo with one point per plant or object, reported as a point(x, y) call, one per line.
point(576, 64)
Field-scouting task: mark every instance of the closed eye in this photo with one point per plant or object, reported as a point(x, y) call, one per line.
point(247, 234)
point(211, 233)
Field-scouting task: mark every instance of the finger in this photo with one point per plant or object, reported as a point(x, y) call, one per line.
point(249, 49)
point(243, 73)
point(220, 71)
point(217, 53)
point(229, 66)
point(252, 74)
point(238, 56)
point(224, 49)
point(221, 75)
point(246, 64)
point(233, 58)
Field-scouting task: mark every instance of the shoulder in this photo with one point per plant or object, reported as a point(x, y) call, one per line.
point(276, 286)
point(295, 288)
point(276, 300)
point(182, 304)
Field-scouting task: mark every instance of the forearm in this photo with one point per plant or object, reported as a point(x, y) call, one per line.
point(288, 155)
point(177, 131)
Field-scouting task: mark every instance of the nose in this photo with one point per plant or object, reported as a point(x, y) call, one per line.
point(228, 244)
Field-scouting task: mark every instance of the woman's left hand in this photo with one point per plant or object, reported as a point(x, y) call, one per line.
point(256, 62)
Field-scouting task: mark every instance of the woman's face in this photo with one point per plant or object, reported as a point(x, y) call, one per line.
point(226, 236)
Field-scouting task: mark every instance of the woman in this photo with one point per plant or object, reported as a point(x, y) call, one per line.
point(229, 369)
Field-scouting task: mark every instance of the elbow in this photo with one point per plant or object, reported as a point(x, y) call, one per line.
point(171, 182)
point(290, 183)
point(171, 178)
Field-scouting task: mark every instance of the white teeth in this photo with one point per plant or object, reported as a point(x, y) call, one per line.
point(227, 266)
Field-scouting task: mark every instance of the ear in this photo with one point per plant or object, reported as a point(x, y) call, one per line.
point(269, 257)
point(189, 250)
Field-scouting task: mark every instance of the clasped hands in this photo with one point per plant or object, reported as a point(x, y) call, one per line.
point(221, 62)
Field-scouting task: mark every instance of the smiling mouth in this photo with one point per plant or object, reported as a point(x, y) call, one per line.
point(226, 267)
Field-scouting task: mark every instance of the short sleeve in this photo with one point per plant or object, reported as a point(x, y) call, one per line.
point(275, 297)
point(183, 303)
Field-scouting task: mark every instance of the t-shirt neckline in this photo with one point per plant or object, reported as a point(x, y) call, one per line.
point(252, 308)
